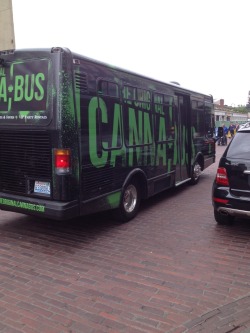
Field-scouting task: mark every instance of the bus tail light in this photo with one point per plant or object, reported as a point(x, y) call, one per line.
point(62, 158)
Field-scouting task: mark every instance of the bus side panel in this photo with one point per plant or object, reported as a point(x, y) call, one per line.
point(127, 122)
point(118, 135)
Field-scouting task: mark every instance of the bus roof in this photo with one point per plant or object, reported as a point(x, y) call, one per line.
point(83, 57)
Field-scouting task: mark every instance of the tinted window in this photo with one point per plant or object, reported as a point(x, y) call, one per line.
point(198, 118)
point(108, 88)
point(25, 92)
point(240, 147)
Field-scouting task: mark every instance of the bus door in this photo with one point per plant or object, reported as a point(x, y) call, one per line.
point(182, 138)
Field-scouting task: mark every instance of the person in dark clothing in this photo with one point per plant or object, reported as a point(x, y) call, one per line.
point(231, 130)
point(222, 134)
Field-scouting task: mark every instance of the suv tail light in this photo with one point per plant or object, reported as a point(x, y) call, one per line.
point(221, 177)
point(62, 158)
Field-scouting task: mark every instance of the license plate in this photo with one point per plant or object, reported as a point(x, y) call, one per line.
point(42, 187)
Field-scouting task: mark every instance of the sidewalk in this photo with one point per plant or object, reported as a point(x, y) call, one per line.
point(232, 317)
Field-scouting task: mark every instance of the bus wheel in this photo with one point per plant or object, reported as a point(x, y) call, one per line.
point(196, 172)
point(130, 202)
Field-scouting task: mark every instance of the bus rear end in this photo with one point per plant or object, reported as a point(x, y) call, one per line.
point(38, 134)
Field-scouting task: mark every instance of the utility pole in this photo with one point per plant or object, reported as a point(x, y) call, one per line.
point(7, 33)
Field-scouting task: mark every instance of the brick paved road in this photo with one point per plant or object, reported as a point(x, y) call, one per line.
point(171, 269)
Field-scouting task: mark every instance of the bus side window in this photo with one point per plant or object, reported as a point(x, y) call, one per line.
point(209, 119)
point(113, 90)
point(144, 99)
point(198, 118)
point(129, 93)
point(109, 111)
point(108, 88)
point(158, 103)
point(164, 116)
point(102, 88)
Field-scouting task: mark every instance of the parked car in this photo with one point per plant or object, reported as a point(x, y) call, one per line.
point(231, 187)
point(242, 125)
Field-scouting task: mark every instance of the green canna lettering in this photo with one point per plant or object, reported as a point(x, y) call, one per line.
point(3, 89)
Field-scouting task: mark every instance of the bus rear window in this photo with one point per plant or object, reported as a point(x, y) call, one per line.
point(24, 92)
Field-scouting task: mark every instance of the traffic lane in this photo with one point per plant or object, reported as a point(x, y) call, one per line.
point(169, 266)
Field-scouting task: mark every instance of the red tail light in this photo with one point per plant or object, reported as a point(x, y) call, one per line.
point(221, 201)
point(62, 161)
point(221, 177)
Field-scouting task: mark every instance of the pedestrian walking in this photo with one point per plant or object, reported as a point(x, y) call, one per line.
point(231, 130)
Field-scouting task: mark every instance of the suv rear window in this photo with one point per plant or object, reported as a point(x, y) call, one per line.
point(240, 146)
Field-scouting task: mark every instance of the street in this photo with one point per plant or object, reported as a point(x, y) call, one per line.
point(171, 269)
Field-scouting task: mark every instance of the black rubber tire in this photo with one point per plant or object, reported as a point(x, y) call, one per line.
point(223, 219)
point(196, 172)
point(130, 203)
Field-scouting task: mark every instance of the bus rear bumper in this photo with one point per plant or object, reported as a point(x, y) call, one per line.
point(55, 210)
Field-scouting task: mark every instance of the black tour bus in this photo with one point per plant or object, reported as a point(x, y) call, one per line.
point(78, 136)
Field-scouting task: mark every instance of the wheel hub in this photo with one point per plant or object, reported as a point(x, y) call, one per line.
point(130, 198)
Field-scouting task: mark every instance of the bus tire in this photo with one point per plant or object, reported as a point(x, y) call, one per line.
point(196, 172)
point(130, 202)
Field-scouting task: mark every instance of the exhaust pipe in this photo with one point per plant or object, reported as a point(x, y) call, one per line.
point(223, 212)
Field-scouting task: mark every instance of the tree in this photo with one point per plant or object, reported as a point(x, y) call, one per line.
point(241, 109)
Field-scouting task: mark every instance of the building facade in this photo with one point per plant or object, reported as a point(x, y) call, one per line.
point(225, 114)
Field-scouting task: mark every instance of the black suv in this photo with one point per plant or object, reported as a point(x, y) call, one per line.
point(231, 187)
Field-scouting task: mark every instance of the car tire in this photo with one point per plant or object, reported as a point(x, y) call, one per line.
point(223, 219)
point(130, 202)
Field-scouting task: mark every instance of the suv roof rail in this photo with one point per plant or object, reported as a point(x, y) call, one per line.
point(246, 125)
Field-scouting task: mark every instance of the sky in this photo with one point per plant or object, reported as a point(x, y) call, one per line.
point(202, 44)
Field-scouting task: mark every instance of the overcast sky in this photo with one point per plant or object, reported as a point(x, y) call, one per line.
point(202, 44)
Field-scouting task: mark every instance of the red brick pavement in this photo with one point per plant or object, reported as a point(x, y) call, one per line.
point(172, 269)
